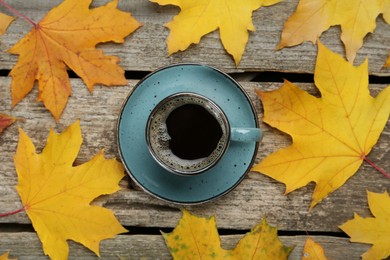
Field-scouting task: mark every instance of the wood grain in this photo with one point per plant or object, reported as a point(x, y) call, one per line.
point(255, 197)
point(145, 49)
point(26, 245)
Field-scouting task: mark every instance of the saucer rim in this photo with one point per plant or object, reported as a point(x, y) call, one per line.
point(210, 198)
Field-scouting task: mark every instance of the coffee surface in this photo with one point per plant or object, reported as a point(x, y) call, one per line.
point(194, 132)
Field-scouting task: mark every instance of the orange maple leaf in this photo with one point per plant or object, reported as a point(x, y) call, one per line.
point(313, 17)
point(376, 230)
point(197, 238)
point(68, 36)
point(5, 121)
point(332, 135)
point(56, 196)
point(232, 17)
point(5, 21)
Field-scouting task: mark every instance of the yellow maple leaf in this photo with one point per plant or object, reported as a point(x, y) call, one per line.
point(376, 230)
point(261, 242)
point(194, 237)
point(68, 36)
point(313, 17)
point(56, 196)
point(197, 238)
point(313, 251)
point(4, 256)
point(5, 21)
point(387, 64)
point(233, 18)
point(333, 134)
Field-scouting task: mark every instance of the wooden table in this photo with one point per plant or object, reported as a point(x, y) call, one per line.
point(236, 212)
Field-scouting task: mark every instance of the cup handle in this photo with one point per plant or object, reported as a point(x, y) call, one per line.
point(245, 134)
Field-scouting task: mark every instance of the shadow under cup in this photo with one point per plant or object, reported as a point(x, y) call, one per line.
point(187, 133)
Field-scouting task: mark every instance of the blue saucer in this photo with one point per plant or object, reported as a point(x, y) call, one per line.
point(138, 161)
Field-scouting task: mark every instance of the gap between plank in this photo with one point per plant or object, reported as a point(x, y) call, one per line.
point(265, 76)
point(134, 230)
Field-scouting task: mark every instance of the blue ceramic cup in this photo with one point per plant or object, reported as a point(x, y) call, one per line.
point(187, 133)
point(227, 145)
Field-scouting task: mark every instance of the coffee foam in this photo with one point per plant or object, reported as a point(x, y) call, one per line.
point(159, 137)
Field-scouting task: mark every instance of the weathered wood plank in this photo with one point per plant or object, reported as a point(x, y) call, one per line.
point(145, 50)
point(24, 245)
point(256, 196)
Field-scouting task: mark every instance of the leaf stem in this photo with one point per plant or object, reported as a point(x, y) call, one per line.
point(376, 167)
point(17, 13)
point(12, 212)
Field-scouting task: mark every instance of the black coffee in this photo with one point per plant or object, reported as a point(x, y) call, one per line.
point(194, 132)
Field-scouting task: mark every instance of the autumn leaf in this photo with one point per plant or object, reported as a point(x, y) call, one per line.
point(233, 18)
point(313, 17)
point(376, 230)
point(333, 134)
point(4, 256)
point(386, 17)
point(197, 237)
point(67, 36)
point(194, 237)
point(56, 196)
point(5, 121)
point(5, 21)
point(261, 242)
point(387, 64)
point(313, 251)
